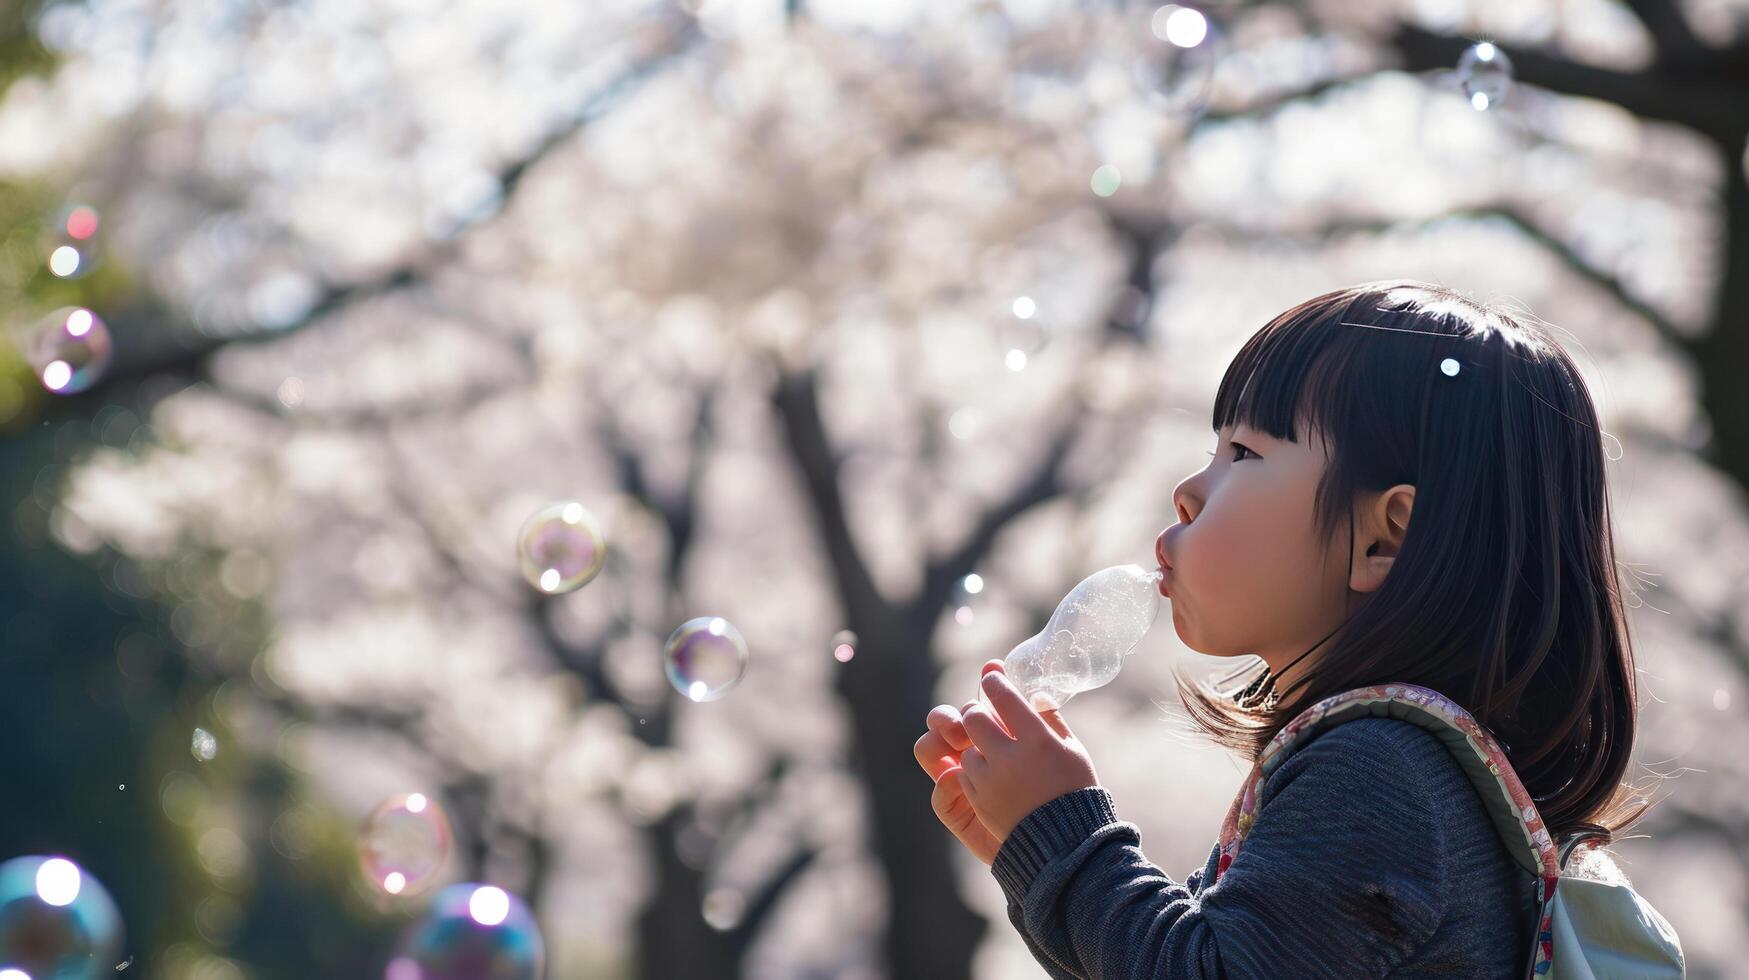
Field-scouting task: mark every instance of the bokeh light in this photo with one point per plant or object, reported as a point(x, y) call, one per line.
point(80, 222)
point(965, 598)
point(56, 921)
point(1185, 27)
point(705, 657)
point(561, 547)
point(844, 646)
point(1175, 60)
point(404, 844)
point(204, 745)
point(1106, 180)
point(472, 932)
point(65, 260)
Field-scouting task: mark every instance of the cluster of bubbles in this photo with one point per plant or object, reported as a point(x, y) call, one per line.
point(69, 349)
point(56, 922)
point(469, 931)
point(561, 548)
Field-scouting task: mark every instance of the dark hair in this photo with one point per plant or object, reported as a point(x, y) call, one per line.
point(1504, 596)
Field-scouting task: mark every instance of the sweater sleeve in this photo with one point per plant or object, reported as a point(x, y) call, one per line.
point(1340, 876)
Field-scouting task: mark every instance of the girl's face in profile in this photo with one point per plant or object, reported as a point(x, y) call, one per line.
point(1246, 572)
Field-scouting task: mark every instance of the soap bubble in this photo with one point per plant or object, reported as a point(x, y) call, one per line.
point(56, 921)
point(68, 349)
point(1485, 73)
point(561, 547)
point(705, 657)
point(405, 841)
point(204, 746)
point(965, 598)
point(1179, 50)
point(843, 646)
point(473, 932)
point(1021, 332)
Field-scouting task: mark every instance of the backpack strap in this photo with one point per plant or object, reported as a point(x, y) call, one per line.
point(1478, 754)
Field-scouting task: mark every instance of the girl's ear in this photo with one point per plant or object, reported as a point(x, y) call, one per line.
point(1386, 522)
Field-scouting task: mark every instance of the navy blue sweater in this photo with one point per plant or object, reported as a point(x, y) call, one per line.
point(1371, 856)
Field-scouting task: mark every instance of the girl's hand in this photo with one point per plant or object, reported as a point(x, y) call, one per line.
point(1020, 758)
point(938, 752)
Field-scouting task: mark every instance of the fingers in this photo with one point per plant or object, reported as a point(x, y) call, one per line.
point(945, 721)
point(990, 665)
point(934, 755)
point(1016, 713)
point(949, 800)
point(1053, 717)
point(986, 731)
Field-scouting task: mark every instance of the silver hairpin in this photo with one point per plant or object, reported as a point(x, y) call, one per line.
point(1449, 366)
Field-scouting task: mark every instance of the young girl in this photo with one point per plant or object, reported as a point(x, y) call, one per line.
point(1391, 421)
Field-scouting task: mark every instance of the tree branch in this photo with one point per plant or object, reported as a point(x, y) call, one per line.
point(1707, 102)
point(186, 356)
point(1669, 29)
point(797, 400)
point(1527, 226)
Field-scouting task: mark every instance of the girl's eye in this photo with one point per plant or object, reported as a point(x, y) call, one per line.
point(1240, 447)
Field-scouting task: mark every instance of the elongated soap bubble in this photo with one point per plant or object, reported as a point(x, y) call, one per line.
point(56, 921)
point(1096, 625)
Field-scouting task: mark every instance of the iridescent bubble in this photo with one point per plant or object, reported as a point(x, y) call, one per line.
point(56, 921)
point(1180, 48)
point(561, 547)
point(1485, 73)
point(404, 844)
point(473, 932)
point(68, 349)
point(705, 657)
point(843, 646)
